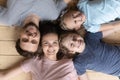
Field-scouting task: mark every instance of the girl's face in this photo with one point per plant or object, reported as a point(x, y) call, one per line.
point(74, 43)
point(50, 45)
point(73, 20)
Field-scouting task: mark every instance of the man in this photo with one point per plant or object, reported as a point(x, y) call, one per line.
point(92, 52)
point(28, 43)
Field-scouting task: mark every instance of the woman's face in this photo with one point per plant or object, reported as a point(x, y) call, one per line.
point(50, 45)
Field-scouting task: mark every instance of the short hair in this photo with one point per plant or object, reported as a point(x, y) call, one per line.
point(30, 24)
point(24, 52)
point(47, 27)
point(63, 49)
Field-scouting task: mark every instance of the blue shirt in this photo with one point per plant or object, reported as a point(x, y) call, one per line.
point(98, 12)
point(18, 10)
point(98, 56)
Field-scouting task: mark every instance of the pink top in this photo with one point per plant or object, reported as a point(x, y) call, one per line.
point(45, 69)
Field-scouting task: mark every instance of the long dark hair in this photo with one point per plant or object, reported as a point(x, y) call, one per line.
point(47, 27)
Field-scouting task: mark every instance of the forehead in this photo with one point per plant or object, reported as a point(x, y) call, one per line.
point(50, 36)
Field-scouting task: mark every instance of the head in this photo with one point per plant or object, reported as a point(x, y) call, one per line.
point(71, 43)
point(72, 20)
point(28, 41)
point(50, 40)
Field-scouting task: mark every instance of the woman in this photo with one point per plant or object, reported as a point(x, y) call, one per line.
point(46, 66)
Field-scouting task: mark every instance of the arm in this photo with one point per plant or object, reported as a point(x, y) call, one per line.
point(70, 2)
point(67, 1)
point(12, 72)
point(109, 28)
point(83, 77)
point(32, 18)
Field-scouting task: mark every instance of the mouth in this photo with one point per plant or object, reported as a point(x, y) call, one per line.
point(31, 30)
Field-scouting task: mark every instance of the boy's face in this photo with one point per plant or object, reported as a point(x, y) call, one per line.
point(73, 20)
point(74, 43)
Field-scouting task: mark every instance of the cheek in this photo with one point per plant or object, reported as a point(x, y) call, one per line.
point(57, 48)
point(44, 48)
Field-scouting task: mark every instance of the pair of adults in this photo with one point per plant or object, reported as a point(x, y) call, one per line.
point(49, 64)
point(28, 14)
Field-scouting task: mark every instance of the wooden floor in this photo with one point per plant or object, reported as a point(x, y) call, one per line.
point(9, 56)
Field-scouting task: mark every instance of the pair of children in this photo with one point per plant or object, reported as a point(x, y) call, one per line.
point(91, 52)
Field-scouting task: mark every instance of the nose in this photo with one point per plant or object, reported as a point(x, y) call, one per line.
point(76, 42)
point(51, 48)
point(32, 34)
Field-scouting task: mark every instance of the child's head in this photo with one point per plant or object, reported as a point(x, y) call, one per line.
point(50, 40)
point(71, 43)
point(72, 20)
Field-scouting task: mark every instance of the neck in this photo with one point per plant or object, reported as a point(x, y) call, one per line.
point(53, 58)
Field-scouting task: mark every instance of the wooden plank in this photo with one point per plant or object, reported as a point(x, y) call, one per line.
point(100, 76)
point(9, 33)
point(22, 76)
point(8, 61)
point(8, 48)
point(3, 2)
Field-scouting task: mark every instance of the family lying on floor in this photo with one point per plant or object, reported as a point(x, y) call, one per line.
point(50, 41)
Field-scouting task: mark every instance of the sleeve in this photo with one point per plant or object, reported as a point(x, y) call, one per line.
point(26, 65)
point(94, 36)
point(82, 3)
point(79, 66)
point(61, 5)
point(92, 27)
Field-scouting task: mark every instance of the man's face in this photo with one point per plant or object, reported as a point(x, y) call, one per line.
point(73, 20)
point(29, 38)
point(74, 43)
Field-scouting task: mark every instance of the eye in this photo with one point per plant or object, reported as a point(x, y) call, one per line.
point(55, 43)
point(71, 45)
point(25, 40)
point(75, 21)
point(34, 42)
point(44, 43)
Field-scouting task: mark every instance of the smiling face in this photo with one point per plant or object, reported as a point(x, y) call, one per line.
point(29, 38)
point(74, 43)
point(50, 45)
point(72, 20)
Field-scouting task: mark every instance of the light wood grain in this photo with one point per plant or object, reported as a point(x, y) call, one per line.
point(9, 33)
point(9, 56)
point(8, 61)
point(8, 48)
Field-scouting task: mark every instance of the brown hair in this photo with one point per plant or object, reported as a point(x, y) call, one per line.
point(63, 49)
point(47, 27)
point(24, 52)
